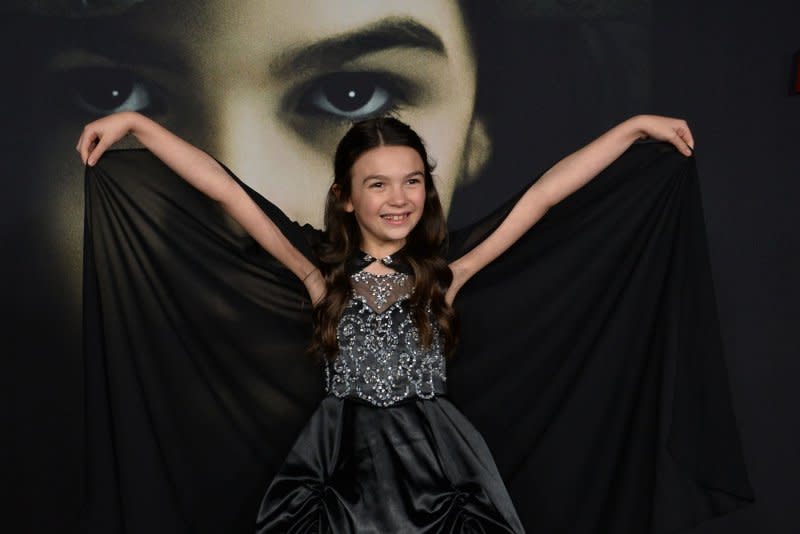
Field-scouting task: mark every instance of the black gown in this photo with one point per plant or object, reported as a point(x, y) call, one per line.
point(590, 362)
point(386, 451)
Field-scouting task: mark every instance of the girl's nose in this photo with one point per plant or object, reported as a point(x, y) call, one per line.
point(397, 197)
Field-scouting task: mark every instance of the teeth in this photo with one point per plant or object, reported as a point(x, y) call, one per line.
point(394, 217)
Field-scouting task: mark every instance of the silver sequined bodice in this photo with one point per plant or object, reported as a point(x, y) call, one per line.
point(380, 359)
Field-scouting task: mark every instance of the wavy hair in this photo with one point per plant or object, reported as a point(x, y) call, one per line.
point(422, 251)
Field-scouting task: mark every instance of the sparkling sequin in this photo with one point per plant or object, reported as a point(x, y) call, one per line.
point(380, 359)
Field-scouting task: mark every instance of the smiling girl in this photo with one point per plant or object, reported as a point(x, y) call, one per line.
point(386, 451)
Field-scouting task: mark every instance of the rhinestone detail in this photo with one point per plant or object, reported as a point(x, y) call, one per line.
point(380, 359)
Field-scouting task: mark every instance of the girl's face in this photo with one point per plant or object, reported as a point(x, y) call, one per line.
point(387, 197)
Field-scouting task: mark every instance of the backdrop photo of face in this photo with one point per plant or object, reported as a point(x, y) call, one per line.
point(498, 92)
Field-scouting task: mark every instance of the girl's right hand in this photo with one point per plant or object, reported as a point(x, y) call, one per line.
point(98, 135)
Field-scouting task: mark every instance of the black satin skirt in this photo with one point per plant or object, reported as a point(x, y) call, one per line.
point(416, 467)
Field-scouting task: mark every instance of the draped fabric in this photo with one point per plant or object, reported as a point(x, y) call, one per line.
point(590, 357)
point(418, 466)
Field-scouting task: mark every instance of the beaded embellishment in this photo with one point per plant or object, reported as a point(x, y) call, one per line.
point(380, 359)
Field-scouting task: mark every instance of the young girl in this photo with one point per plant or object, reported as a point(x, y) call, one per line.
point(386, 451)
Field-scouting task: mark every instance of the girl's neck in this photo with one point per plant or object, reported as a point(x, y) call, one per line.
point(393, 259)
point(380, 252)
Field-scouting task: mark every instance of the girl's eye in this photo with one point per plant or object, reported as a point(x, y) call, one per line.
point(102, 91)
point(377, 184)
point(413, 180)
point(353, 95)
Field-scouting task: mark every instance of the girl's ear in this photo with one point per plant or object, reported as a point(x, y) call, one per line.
point(348, 206)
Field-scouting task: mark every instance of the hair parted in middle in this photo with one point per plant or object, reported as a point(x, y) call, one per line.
point(422, 251)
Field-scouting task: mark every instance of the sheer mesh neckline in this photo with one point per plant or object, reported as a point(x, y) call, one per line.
point(381, 291)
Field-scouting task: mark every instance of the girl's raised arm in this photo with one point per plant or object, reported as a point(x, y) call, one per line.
point(204, 173)
point(563, 179)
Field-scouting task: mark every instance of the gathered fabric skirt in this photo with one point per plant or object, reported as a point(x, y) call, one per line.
point(418, 466)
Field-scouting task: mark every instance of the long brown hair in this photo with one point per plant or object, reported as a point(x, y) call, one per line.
point(422, 251)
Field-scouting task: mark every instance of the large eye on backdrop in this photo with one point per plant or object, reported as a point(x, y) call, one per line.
point(102, 90)
point(353, 95)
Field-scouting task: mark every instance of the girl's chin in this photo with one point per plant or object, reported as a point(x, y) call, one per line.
point(392, 235)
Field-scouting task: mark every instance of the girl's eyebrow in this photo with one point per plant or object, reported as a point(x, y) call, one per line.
point(381, 176)
point(387, 33)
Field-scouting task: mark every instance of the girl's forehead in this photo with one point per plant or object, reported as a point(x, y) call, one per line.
point(391, 161)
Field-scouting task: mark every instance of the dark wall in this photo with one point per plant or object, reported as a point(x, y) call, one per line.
point(727, 68)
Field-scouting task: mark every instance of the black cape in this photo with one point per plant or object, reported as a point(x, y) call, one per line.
point(590, 356)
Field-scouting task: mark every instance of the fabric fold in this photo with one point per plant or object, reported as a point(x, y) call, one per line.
point(590, 357)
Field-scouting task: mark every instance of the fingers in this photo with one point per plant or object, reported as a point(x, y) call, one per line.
point(88, 143)
point(97, 151)
point(83, 147)
point(689, 138)
point(680, 143)
point(85, 142)
point(682, 138)
point(99, 135)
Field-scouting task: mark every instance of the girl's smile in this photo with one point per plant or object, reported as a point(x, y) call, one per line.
point(396, 219)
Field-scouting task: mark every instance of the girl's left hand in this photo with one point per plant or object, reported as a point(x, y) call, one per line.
point(674, 131)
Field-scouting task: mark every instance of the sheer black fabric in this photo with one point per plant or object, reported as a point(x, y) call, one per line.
point(590, 356)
